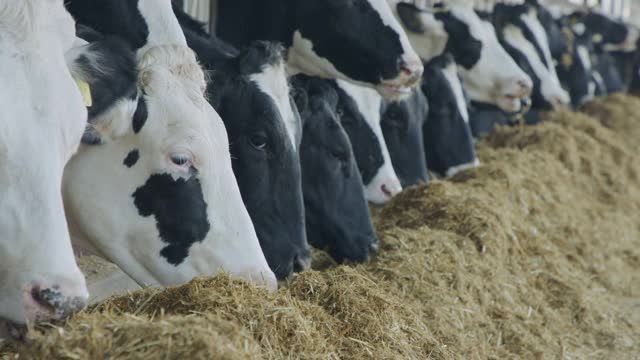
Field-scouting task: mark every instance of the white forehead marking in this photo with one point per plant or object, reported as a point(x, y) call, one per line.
point(583, 55)
point(530, 19)
point(273, 82)
point(451, 74)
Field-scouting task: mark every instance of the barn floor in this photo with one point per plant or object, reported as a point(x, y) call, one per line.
point(534, 255)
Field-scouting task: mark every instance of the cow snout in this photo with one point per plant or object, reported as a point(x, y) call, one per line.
point(391, 188)
point(410, 72)
point(523, 86)
point(561, 100)
point(261, 277)
point(54, 302)
point(301, 262)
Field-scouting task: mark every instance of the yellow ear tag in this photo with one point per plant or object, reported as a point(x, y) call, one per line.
point(85, 91)
point(567, 60)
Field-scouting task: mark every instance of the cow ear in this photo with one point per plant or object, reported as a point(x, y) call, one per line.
point(410, 16)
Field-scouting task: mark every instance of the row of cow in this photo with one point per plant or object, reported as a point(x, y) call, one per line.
point(193, 154)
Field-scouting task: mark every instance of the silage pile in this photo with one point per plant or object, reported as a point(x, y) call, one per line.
point(534, 255)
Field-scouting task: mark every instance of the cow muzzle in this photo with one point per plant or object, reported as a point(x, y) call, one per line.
point(409, 76)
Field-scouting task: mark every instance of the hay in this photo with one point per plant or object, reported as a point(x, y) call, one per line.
point(536, 254)
point(139, 337)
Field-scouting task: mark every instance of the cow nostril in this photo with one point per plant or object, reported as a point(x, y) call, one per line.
point(385, 190)
point(406, 70)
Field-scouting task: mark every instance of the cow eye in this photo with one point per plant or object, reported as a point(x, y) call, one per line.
point(182, 160)
point(258, 141)
point(340, 112)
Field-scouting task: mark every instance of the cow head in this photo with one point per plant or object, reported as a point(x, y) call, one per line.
point(576, 67)
point(333, 39)
point(155, 191)
point(448, 142)
point(251, 94)
point(359, 112)
point(401, 125)
point(490, 75)
point(525, 39)
point(337, 215)
point(41, 128)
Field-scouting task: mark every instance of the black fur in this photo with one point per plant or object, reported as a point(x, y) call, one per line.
point(337, 214)
point(402, 123)
point(340, 30)
point(180, 212)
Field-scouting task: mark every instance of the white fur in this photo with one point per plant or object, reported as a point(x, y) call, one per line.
point(43, 121)
point(98, 188)
point(454, 81)
point(369, 102)
point(273, 82)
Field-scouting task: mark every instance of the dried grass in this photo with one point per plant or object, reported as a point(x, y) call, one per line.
point(534, 255)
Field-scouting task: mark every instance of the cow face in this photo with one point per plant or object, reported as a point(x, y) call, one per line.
point(158, 196)
point(43, 123)
point(251, 94)
point(447, 136)
point(337, 215)
point(359, 112)
point(575, 67)
point(332, 39)
point(401, 124)
point(490, 75)
point(525, 39)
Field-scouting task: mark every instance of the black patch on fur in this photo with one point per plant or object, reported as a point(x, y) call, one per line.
point(132, 158)
point(112, 17)
point(464, 47)
point(141, 114)
point(180, 212)
point(112, 76)
point(329, 25)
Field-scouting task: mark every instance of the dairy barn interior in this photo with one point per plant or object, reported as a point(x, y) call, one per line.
point(518, 237)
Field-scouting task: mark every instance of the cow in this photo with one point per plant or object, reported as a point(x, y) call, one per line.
point(353, 40)
point(44, 118)
point(525, 39)
point(449, 146)
point(337, 215)
point(249, 90)
point(489, 74)
point(359, 113)
point(402, 122)
point(154, 190)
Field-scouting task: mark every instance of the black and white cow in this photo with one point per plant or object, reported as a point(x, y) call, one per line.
point(354, 40)
point(448, 143)
point(43, 121)
point(359, 112)
point(401, 124)
point(489, 74)
point(249, 90)
point(156, 193)
point(337, 215)
point(525, 39)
